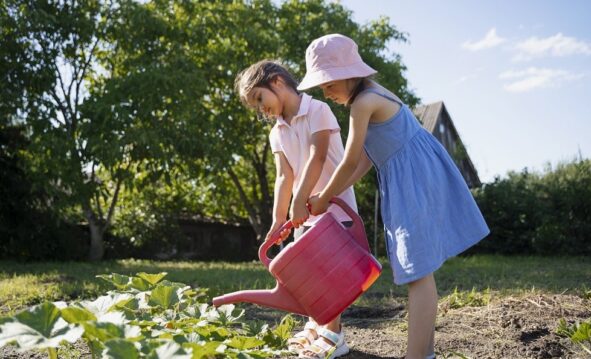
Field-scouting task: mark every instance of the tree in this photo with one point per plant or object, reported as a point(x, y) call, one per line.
point(225, 37)
point(114, 95)
point(102, 117)
point(260, 29)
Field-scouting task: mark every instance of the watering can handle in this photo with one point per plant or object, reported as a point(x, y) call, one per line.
point(275, 237)
point(357, 230)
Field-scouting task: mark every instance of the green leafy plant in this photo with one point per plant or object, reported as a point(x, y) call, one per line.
point(578, 332)
point(473, 298)
point(145, 317)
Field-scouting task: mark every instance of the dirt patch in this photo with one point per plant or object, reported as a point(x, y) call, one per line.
point(522, 327)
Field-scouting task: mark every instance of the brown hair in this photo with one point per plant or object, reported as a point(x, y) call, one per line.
point(359, 88)
point(262, 74)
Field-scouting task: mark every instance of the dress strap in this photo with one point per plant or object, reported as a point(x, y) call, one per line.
point(379, 93)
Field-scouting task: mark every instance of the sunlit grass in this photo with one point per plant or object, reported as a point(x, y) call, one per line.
point(24, 284)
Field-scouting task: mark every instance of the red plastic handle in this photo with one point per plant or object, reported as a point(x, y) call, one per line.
point(357, 230)
point(275, 237)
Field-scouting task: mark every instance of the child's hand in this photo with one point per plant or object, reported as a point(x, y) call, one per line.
point(274, 227)
point(299, 213)
point(317, 204)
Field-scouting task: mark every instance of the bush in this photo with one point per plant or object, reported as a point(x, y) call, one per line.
point(532, 213)
point(29, 228)
point(147, 224)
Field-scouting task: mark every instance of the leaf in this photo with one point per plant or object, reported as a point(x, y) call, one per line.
point(226, 314)
point(170, 350)
point(39, 327)
point(243, 343)
point(256, 327)
point(583, 333)
point(285, 327)
point(139, 284)
point(41, 318)
point(153, 279)
point(77, 315)
point(207, 350)
point(120, 349)
point(118, 280)
point(277, 338)
point(105, 303)
point(117, 318)
point(164, 296)
point(102, 331)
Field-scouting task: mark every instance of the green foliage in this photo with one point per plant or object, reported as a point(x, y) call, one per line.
point(579, 333)
point(40, 327)
point(117, 99)
point(145, 317)
point(473, 298)
point(531, 213)
point(30, 228)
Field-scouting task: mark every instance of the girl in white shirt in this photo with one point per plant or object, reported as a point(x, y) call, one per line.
point(307, 147)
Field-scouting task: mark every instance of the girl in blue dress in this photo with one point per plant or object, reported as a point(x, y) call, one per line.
point(428, 211)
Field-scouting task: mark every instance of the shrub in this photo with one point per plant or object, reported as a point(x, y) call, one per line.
point(532, 213)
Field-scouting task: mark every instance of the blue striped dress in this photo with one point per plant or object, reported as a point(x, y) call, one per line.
point(428, 211)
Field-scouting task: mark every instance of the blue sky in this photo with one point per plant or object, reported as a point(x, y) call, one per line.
point(515, 76)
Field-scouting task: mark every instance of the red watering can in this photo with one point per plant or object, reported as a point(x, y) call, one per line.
point(320, 274)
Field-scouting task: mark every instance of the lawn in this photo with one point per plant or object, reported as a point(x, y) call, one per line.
point(490, 306)
point(25, 284)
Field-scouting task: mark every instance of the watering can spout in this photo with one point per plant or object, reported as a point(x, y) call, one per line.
point(278, 298)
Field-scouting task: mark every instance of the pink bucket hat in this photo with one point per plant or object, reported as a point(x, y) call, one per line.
point(333, 57)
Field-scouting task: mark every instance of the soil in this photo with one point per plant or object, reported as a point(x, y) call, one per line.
point(511, 327)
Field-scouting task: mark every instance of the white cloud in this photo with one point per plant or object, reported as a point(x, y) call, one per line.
point(471, 76)
point(491, 39)
point(557, 45)
point(533, 77)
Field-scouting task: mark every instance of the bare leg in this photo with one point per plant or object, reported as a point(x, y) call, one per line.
point(422, 311)
point(335, 325)
point(432, 343)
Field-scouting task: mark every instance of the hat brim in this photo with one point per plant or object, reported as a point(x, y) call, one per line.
point(319, 77)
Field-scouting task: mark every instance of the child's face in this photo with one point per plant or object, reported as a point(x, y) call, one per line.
point(265, 101)
point(338, 91)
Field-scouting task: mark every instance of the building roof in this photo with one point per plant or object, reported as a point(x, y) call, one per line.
point(428, 114)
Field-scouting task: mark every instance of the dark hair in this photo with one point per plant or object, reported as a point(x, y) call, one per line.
point(262, 74)
point(358, 89)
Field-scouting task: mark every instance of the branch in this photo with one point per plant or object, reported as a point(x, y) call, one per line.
point(251, 212)
point(96, 196)
point(115, 197)
point(66, 95)
point(83, 72)
point(113, 202)
point(60, 105)
point(73, 81)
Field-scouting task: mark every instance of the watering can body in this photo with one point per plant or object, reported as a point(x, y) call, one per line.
point(320, 274)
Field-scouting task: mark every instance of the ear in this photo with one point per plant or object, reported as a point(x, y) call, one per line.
point(278, 81)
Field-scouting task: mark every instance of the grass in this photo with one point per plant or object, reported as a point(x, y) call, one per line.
point(25, 284)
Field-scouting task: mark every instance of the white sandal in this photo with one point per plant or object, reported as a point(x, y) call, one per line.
point(303, 339)
point(320, 349)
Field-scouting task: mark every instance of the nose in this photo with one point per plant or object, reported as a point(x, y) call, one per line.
point(263, 109)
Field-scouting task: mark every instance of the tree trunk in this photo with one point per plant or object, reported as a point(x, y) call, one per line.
point(97, 246)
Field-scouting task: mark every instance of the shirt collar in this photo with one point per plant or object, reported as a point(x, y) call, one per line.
point(302, 111)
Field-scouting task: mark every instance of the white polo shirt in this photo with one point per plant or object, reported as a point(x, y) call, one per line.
point(295, 140)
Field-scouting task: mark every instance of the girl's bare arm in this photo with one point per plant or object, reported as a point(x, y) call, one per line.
point(310, 175)
point(282, 193)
